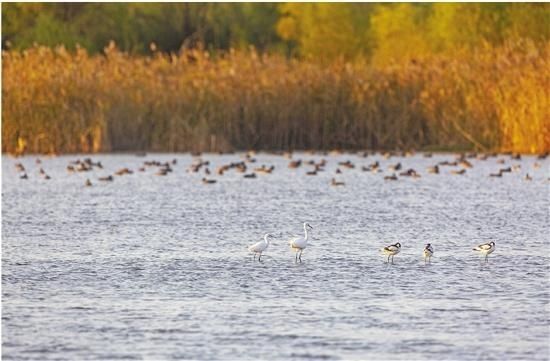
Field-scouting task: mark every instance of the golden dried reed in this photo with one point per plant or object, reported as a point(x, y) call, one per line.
point(492, 98)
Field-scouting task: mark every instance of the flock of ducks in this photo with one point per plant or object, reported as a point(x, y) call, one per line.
point(298, 244)
point(248, 169)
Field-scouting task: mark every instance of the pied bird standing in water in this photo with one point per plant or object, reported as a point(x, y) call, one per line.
point(298, 244)
point(428, 252)
point(486, 249)
point(392, 250)
point(259, 247)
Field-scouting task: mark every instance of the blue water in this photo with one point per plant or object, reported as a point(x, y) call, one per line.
point(153, 267)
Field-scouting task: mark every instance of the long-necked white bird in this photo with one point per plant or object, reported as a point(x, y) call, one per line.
point(428, 252)
point(392, 250)
point(260, 247)
point(486, 249)
point(298, 244)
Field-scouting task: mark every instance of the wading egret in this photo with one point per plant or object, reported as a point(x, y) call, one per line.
point(298, 244)
point(259, 247)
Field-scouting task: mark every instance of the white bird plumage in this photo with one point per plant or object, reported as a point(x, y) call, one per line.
point(428, 252)
point(392, 250)
point(486, 249)
point(261, 246)
point(298, 244)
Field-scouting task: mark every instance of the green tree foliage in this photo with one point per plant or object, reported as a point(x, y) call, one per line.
point(134, 26)
point(327, 30)
point(321, 31)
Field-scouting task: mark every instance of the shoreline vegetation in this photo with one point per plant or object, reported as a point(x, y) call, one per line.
point(491, 98)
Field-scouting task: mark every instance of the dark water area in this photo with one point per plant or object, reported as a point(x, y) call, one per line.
point(156, 267)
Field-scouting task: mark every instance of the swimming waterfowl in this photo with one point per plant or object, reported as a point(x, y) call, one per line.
point(248, 157)
point(410, 173)
point(458, 172)
point(392, 250)
point(47, 177)
point(123, 171)
point(528, 177)
point(295, 163)
point(195, 167)
point(333, 182)
point(250, 175)
point(486, 249)
point(446, 162)
point(106, 179)
point(24, 176)
point(347, 164)
point(208, 181)
point(434, 169)
point(83, 167)
point(428, 252)
point(240, 167)
point(499, 174)
point(19, 167)
point(374, 166)
point(265, 170)
point(464, 163)
point(88, 183)
point(338, 171)
point(391, 177)
point(42, 171)
point(506, 170)
point(395, 167)
point(311, 172)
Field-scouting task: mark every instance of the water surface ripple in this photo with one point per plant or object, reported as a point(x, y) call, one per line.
point(150, 267)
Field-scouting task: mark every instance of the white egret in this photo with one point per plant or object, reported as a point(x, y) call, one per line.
point(261, 246)
point(486, 249)
point(298, 244)
point(392, 250)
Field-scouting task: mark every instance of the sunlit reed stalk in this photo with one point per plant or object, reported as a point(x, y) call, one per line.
point(55, 101)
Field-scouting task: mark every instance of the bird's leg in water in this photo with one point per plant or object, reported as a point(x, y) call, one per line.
point(259, 258)
point(296, 258)
point(300, 258)
point(388, 261)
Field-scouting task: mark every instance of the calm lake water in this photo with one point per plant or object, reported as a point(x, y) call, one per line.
point(151, 267)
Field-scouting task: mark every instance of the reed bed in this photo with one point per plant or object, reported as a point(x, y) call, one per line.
point(56, 101)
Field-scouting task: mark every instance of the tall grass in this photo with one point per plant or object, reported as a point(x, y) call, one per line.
point(54, 101)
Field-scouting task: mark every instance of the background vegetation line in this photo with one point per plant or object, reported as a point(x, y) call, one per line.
point(220, 77)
